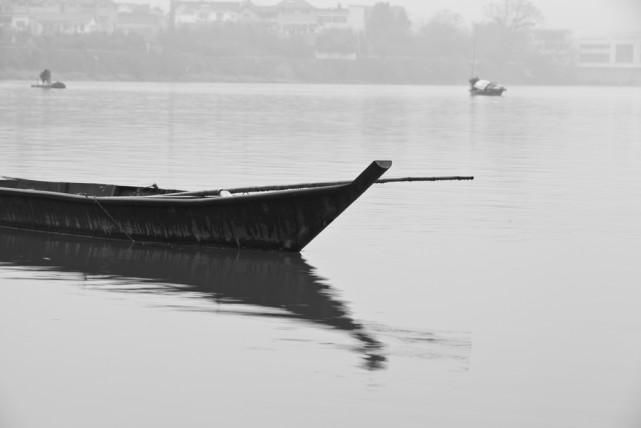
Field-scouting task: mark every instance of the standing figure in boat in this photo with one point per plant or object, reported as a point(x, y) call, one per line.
point(45, 77)
point(485, 87)
point(45, 81)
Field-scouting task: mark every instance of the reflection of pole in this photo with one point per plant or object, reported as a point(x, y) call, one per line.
point(95, 66)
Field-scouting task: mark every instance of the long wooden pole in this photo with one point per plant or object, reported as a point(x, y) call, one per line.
point(200, 193)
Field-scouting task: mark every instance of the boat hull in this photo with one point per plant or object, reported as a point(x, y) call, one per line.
point(54, 85)
point(283, 220)
point(493, 92)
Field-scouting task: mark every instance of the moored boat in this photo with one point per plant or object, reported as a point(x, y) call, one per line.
point(275, 218)
point(45, 81)
point(485, 87)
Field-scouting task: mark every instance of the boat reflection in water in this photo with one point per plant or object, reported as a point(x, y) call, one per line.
point(279, 284)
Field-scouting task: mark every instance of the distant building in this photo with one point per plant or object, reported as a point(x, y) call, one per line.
point(333, 18)
point(288, 17)
point(296, 17)
point(190, 13)
point(259, 15)
point(140, 19)
point(61, 17)
point(557, 44)
point(610, 60)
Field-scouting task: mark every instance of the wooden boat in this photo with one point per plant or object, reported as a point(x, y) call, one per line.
point(263, 218)
point(54, 85)
point(485, 87)
point(266, 284)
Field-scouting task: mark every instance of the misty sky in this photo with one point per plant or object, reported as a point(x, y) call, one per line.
point(587, 17)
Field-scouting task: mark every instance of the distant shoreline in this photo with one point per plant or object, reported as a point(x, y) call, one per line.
point(68, 65)
point(31, 76)
point(70, 77)
point(82, 78)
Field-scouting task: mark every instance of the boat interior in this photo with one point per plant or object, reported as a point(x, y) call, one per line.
point(92, 189)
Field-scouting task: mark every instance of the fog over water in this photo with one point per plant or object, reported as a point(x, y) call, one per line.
point(588, 17)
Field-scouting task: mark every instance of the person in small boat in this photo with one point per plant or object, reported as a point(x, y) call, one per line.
point(45, 76)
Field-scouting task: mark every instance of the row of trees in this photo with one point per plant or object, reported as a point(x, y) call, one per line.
point(503, 45)
point(443, 49)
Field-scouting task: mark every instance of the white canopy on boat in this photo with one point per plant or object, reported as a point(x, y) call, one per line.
point(481, 84)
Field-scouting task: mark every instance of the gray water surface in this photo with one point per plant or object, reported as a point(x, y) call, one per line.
point(508, 301)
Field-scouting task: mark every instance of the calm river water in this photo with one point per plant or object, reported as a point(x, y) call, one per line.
point(509, 301)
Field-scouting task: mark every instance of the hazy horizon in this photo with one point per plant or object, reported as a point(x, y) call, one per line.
point(595, 17)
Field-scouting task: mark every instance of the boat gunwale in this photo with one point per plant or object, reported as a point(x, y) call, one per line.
point(164, 201)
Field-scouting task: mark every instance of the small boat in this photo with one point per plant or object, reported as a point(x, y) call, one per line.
point(45, 81)
point(283, 218)
point(54, 85)
point(485, 87)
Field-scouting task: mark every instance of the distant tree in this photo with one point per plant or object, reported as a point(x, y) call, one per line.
point(388, 30)
point(504, 40)
point(514, 15)
point(444, 35)
point(444, 42)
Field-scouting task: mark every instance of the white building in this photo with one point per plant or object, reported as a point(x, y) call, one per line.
point(288, 16)
point(614, 59)
point(56, 17)
point(187, 13)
